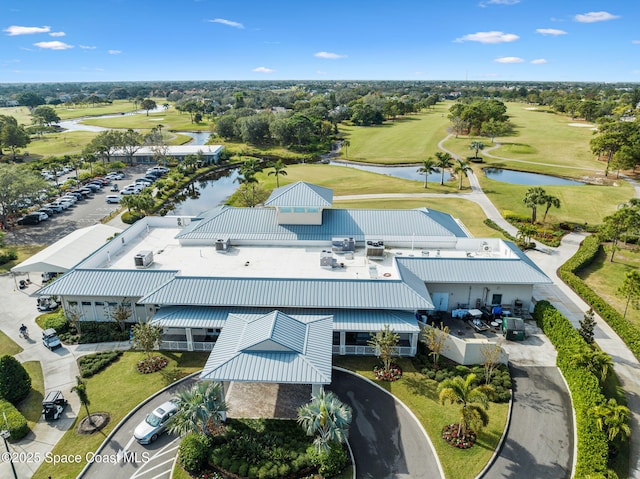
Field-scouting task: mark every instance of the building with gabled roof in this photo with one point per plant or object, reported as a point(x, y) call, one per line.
point(246, 282)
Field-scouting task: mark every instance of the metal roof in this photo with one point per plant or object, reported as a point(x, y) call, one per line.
point(387, 225)
point(175, 150)
point(107, 282)
point(301, 194)
point(343, 319)
point(291, 293)
point(65, 253)
point(274, 331)
point(474, 270)
point(308, 363)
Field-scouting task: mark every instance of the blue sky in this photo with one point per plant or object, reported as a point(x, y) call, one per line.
point(510, 40)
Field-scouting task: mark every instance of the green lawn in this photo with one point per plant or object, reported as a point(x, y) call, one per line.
point(24, 252)
point(132, 388)
point(59, 144)
point(171, 119)
point(410, 139)
point(8, 345)
point(605, 277)
point(31, 406)
point(420, 395)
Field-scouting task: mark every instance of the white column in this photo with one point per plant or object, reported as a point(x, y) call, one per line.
point(189, 339)
point(315, 389)
point(343, 340)
point(414, 343)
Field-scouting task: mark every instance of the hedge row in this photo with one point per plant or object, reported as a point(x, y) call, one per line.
point(96, 362)
point(495, 226)
point(584, 386)
point(567, 272)
point(17, 423)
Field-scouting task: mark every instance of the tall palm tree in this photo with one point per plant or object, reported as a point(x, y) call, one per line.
point(428, 167)
point(129, 202)
point(327, 417)
point(476, 146)
point(533, 198)
point(461, 169)
point(385, 344)
point(613, 419)
point(596, 361)
point(473, 400)
point(444, 161)
point(201, 409)
point(549, 201)
point(279, 169)
point(346, 144)
point(81, 390)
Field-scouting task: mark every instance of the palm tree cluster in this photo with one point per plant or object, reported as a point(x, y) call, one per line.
point(327, 418)
point(473, 401)
point(201, 409)
point(537, 196)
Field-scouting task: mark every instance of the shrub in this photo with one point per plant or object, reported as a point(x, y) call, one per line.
point(94, 363)
point(333, 461)
point(17, 423)
point(15, 382)
point(192, 453)
point(130, 218)
point(57, 321)
point(8, 255)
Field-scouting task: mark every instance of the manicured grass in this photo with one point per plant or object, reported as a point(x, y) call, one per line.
point(58, 144)
point(24, 252)
point(605, 277)
point(20, 113)
point(171, 119)
point(409, 139)
point(9, 346)
point(467, 211)
point(117, 106)
point(31, 406)
point(420, 395)
point(540, 137)
point(132, 388)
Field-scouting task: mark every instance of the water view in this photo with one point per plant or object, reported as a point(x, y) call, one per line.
point(531, 179)
point(404, 172)
point(206, 194)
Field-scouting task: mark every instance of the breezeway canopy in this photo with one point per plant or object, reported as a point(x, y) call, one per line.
point(64, 254)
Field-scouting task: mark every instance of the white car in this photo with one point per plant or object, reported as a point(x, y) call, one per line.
point(112, 199)
point(128, 191)
point(155, 423)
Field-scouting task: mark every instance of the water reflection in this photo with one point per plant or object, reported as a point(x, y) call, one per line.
point(530, 179)
point(206, 194)
point(404, 172)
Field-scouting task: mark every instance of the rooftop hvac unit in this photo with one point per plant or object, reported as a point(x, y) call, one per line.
point(223, 245)
point(327, 260)
point(374, 249)
point(343, 245)
point(143, 259)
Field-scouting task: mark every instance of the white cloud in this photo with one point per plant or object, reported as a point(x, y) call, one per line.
point(229, 23)
point(635, 42)
point(87, 47)
point(539, 61)
point(329, 55)
point(54, 45)
point(14, 30)
point(114, 52)
point(57, 34)
point(550, 31)
point(489, 37)
point(263, 70)
point(509, 60)
point(593, 17)
point(499, 2)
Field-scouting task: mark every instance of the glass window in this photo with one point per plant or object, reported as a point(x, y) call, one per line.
point(496, 299)
point(312, 210)
point(285, 209)
point(298, 209)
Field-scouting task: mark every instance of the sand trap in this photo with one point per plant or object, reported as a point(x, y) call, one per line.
point(582, 125)
point(532, 108)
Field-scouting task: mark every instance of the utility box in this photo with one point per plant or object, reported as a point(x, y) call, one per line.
point(513, 328)
point(223, 245)
point(143, 259)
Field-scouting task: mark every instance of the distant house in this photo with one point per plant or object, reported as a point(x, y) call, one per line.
point(149, 154)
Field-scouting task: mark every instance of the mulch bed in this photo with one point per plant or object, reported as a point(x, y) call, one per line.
point(99, 419)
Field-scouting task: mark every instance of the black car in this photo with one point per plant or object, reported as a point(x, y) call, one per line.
point(30, 219)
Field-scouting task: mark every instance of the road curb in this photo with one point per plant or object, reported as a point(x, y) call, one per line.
point(131, 413)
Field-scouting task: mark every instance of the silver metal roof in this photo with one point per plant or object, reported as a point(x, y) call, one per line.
point(237, 356)
point(301, 194)
point(291, 293)
point(387, 225)
point(474, 270)
point(343, 319)
point(107, 282)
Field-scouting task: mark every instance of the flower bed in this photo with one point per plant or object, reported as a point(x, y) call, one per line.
point(461, 441)
point(394, 373)
point(151, 365)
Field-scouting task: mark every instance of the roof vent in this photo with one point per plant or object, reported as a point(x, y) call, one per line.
point(143, 259)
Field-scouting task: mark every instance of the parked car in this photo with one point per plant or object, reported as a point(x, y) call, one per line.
point(55, 207)
point(93, 186)
point(78, 196)
point(112, 199)
point(30, 219)
point(128, 191)
point(53, 405)
point(155, 423)
point(46, 210)
point(50, 339)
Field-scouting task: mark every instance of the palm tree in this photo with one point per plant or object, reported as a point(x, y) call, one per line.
point(201, 409)
point(129, 202)
point(461, 169)
point(385, 343)
point(327, 417)
point(613, 419)
point(346, 144)
point(631, 289)
point(476, 146)
point(596, 361)
point(81, 390)
point(428, 167)
point(526, 232)
point(474, 400)
point(532, 198)
point(444, 161)
point(549, 201)
point(279, 169)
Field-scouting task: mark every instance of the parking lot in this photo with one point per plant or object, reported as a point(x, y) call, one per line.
point(85, 212)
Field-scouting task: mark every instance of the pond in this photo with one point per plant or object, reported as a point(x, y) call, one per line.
point(404, 172)
point(531, 179)
point(206, 194)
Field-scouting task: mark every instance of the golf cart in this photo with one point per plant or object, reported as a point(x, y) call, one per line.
point(53, 404)
point(50, 339)
point(47, 304)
